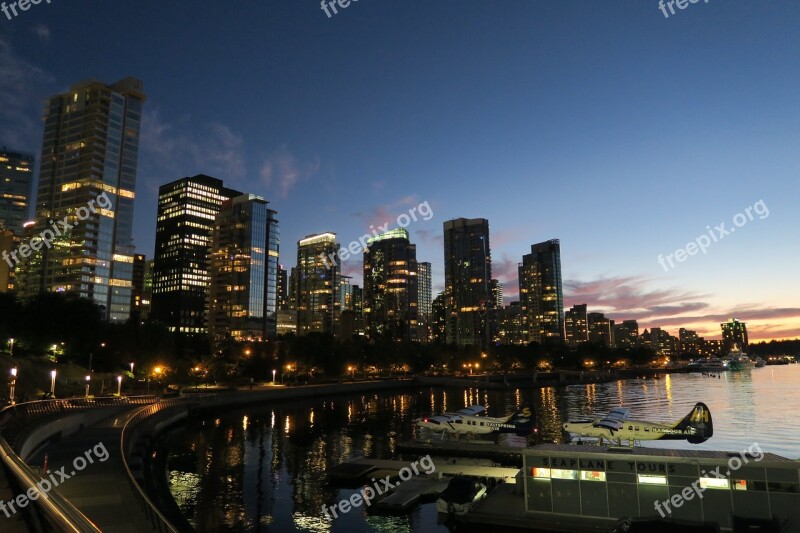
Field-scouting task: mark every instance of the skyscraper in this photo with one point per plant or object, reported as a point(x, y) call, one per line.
point(390, 286)
point(575, 325)
point(283, 294)
point(16, 189)
point(424, 290)
point(316, 284)
point(137, 289)
point(734, 334)
point(90, 149)
point(467, 275)
point(497, 293)
point(599, 329)
point(626, 334)
point(187, 209)
point(244, 271)
point(541, 293)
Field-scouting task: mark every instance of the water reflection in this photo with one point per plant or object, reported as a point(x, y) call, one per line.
point(263, 469)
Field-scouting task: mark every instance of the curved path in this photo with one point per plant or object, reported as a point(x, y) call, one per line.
point(101, 490)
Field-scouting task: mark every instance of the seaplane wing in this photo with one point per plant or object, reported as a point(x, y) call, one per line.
point(472, 410)
point(613, 424)
point(619, 413)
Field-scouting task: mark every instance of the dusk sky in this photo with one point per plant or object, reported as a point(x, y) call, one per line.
point(604, 124)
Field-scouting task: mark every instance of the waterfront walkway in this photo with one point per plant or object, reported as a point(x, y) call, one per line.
point(16, 522)
point(100, 491)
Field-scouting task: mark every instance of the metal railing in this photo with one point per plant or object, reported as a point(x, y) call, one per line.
point(128, 441)
point(13, 419)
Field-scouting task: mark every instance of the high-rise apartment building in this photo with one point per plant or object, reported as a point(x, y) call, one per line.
point(87, 179)
point(541, 293)
point(187, 209)
point(283, 293)
point(600, 331)
point(317, 284)
point(626, 334)
point(734, 334)
point(467, 275)
point(424, 290)
point(391, 293)
point(510, 325)
point(576, 326)
point(140, 265)
point(16, 188)
point(244, 271)
point(8, 243)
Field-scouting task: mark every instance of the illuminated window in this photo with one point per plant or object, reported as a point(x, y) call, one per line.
point(590, 475)
point(540, 472)
point(648, 479)
point(714, 483)
point(740, 484)
point(563, 474)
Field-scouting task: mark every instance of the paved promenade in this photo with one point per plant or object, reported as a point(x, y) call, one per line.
point(101, 490)
point(16, 523)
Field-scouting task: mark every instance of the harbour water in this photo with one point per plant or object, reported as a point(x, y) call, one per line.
point(263, 468)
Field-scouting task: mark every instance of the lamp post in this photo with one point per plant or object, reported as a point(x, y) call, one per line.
point(11, 342)
point(119, 386)
point(13, 385)
point(273, 376)
point(53, 383)
point(88, 379)
point(131, 368)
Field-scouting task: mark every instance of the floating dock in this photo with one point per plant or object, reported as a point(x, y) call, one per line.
point(504, 455)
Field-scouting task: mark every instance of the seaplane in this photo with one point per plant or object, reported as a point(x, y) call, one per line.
point(468, 422)
point(616, 426)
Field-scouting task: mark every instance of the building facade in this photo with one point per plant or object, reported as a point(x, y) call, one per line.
point(626, 334)
point(87, 179)
point(391, 292)
point(467, 275)
point(317, 284)
point(244, 271)
point(734, 334)
point(16, 188)
point(576, 327)
point(600, 329)
point(187, 209)
point(541, 293)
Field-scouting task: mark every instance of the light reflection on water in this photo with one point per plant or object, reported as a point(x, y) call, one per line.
point(263, 469)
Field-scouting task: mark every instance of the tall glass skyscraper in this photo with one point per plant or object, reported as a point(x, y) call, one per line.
point(391, 295)
point(541, 293)
point(316, 284)
point(425, 290)
point(90, 148)
point(187, 209)
point(467, 276)
point(16, 189)
point(244, 271)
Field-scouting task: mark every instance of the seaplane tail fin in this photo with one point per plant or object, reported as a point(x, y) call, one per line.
point(524, 420)
point(700, 420)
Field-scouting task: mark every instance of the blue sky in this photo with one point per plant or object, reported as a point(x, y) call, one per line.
point(603, 124)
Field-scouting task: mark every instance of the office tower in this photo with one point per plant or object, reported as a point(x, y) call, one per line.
point(87, 179)
point(734, 335)
point(541, 293)
point(691, 342)
point(187, 209)
point(599, 329)
point(497, 293)
point(661, 342)
point(283, 294)
point(626, 334)
point(438, 321)
point(424, 290)
point(510, 325)
point(16, 188)
point(137, 286)
point(391, 293)
point(467, 274)
point(244, 271)
point(317, 283)
point(576, 326)
point(344, 299)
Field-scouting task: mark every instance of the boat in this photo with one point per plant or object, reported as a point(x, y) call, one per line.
point(759, 362)
point(709, 363)
point(738, 360)
point(461, 494)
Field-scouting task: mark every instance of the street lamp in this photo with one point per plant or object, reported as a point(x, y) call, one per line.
point(119, 386)
point(352, 371)
point(131, 368)
point(53, 383)
point(13, 384)
point(273, 376)
point(88, 379)
point(11, 342)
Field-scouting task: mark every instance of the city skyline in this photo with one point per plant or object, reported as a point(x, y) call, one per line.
point(664, 165)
